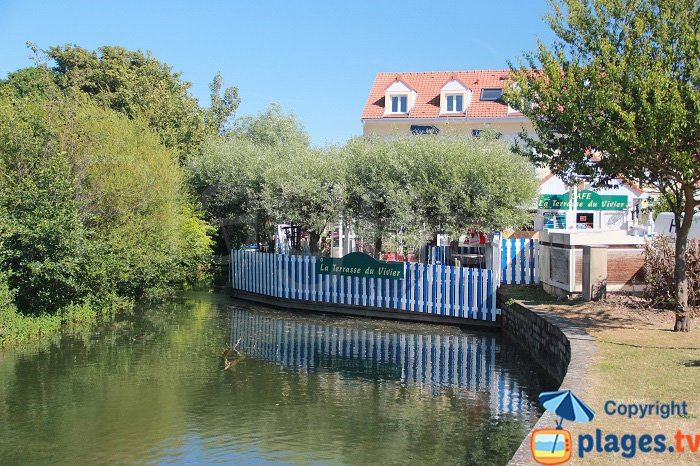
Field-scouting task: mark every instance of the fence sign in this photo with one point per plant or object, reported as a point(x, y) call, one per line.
point(357, 264)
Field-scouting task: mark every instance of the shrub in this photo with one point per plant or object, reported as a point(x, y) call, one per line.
point(94, 214)
point(658, 271)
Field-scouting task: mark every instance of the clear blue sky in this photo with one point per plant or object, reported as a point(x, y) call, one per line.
point(317, 59)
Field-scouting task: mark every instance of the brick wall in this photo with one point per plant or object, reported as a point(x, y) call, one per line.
point(625, 267)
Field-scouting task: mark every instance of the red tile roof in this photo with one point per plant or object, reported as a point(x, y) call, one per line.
point(428, 86)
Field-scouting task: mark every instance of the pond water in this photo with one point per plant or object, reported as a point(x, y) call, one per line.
point(306, 389)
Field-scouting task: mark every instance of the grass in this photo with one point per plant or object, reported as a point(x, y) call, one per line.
point(639, 360)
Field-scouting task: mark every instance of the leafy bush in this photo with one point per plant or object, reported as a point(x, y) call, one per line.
point(94, 214)
point(659, 264)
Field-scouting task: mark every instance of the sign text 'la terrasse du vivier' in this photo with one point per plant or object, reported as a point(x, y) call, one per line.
point(587, 200)
point(357, 264)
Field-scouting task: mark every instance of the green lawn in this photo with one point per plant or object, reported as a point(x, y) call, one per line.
point(639, 360)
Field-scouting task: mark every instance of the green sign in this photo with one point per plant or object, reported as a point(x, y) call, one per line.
point(357, 264)
point(587, 200)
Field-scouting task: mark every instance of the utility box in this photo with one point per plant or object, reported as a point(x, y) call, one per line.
point(561, 260)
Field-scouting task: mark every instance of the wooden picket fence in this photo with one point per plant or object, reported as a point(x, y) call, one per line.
point(434, 289)
point(520, 261)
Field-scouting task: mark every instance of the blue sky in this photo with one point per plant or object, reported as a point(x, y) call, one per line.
point(317, 59)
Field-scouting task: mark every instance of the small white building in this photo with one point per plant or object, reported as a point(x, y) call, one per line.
point(612, 208)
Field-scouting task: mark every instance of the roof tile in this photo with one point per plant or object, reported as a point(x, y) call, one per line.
point(428, 85)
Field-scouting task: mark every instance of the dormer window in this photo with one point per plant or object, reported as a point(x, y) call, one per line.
point(491, 95)
point(455, 102)
point(399, 99)
point(399, 103)
point(454, 98)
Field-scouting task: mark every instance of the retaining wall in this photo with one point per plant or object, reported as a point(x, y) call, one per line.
point(562, 349)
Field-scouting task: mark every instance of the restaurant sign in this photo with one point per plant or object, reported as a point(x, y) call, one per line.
point(357, 264)
point(587, 200)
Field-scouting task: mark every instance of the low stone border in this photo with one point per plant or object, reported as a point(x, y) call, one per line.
point(562, 349)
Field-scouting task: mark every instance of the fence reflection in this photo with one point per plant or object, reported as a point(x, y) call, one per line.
point(433, 361)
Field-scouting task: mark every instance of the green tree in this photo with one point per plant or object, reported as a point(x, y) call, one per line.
point(33, 82)
point(380, 191)
point(134, 197)
point(93, 208)
point(222, 106)
point(138, 85)
point(272, 127)
point(621, 82)
point(470, 183)
point(304, 187)
point(231, 173)
point(414, 186)
point(43, 243)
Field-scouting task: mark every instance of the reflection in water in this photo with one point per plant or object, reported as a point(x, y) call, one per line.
point(311, 390)
point(432, 361)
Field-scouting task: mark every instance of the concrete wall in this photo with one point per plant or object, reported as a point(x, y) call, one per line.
point(539, 337)
point(561, 260)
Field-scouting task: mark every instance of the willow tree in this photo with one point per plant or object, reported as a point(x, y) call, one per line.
point(304, 187)
point(620, 85)
point(380, 197)
point(230, 174)
point(422, 184)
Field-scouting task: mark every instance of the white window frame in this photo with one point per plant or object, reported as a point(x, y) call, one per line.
point(453, 89)
point(454, 100)
point(390, 106)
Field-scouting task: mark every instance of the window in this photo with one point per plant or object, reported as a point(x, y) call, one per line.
point(455, 103)
point(454, 98)
point(491, 95)
point(554, 220)
point(584, 220)
point(424, 129)
point(399, 104)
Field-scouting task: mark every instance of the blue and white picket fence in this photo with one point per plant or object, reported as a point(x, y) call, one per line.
point(520, 261)
point(433, 289)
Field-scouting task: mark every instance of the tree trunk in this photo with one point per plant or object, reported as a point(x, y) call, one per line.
point(378, 246)
point(680, 270)
point(226, 234)
point(314, 239)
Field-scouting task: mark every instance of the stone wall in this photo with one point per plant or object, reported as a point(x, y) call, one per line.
point(559, 347)
point(540, 338)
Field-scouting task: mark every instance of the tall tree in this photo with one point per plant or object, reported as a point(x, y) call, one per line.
point(231, 173)
point(272, 127)
point(380, 195)
point(304, 187)
point(621, 83)
point(222, 106)
point(140, 86)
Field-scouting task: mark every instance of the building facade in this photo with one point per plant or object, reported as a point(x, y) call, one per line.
point(469, 103)
point(461, 102)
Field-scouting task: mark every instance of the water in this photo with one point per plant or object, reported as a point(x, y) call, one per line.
point(306, 389)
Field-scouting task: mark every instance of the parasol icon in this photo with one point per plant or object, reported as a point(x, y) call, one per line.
point(567, 406)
